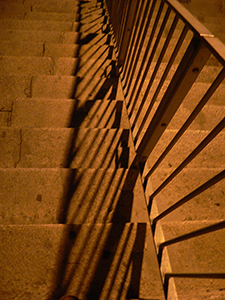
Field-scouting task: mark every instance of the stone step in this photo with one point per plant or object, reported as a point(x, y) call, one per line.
point(206, 159)
point(57, 87)
point(43, 25)
point(63, 113)
point(217, 7)
point(52, 16)
point(108, 255)
point(207, 119)
point(62, 7)
point(203, 254)
point(40, 36)
point(74, 196)
point(50, 22)
point(65, 147)
point(56, 37)
point(207, 206)
point(207, 74)
point(10, 12)
point(86, 52)
point(13, 65)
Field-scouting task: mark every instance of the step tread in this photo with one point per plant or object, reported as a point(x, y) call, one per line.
point(66, 147)
point(43, 25)
point(203, 254)
point(182, 149)
point(58, 87)
point(106, 256)
point(56, 113)
point(43, 196)
point(54, 50)
point(65, 66)
point(206, 206)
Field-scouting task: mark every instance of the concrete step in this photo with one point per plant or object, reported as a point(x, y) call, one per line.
point(63, 7)
point(63, 113)
point(207, 119)
point(107, 256)
point(34, 22)
point(65, 147)
point(182, 149)
point(56, 37)
point(40, 36)
point(204, 254)
point(13, 65)
point(57, 87)
point(207, 206)
point(86, 52)
point(209, 9)
point(74, 196)
point(13, 24)
point(10, 12)
point(207, 74)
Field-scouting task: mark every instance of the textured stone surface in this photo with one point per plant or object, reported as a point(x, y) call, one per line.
point(49, 196)
point(66, 113)
point(33, 266)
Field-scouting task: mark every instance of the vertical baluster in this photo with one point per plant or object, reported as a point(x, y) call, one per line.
point(188, 70)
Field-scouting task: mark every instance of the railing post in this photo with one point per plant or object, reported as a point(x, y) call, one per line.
point(125, 38)
point(188, 70)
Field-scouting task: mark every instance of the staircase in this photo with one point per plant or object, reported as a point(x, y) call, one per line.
point(73, 217)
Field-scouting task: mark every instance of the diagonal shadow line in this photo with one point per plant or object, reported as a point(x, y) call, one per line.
point(119, 221)
point(96, 217)
point(119, 262)
point(72, 231)
point(98, 69)
point(91, 46)
point(112, 239)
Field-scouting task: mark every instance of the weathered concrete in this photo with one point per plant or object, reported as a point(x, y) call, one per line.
point(43, 196)
point(40, 250)
point(65, 113)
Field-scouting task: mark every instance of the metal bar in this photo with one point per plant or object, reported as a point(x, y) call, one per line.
point(191, 156)
point(159, 61)
point(134, 66)
point(135, 36)
point(190, 119)
point(143, 29)
point(168, 67)
point(196, 233)
point(125, 37)
point(188, 70)
point(123, 16)
point(153, 51)
point(190, 196)
point(139, 36)
point(147, 51)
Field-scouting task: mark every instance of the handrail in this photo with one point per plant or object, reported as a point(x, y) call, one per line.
point(162, 51)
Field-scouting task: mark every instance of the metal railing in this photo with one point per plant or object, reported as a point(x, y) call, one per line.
point(163, 52)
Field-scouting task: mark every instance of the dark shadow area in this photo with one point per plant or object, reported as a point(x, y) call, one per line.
point(101, 251)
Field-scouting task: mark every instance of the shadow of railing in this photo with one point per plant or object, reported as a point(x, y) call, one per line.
point(101, 251)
